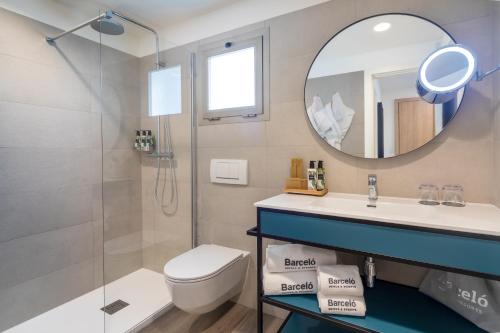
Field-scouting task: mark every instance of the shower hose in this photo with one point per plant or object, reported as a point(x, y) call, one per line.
point(168, 208)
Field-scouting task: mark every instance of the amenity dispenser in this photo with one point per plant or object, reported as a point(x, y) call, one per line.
point(370, 272)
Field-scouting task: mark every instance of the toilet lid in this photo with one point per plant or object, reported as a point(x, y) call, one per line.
point(201, 262)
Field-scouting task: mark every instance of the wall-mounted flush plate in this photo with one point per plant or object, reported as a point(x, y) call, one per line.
point(229, 171)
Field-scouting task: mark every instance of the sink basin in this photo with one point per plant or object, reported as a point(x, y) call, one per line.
point(385, 207)
point(474, 218)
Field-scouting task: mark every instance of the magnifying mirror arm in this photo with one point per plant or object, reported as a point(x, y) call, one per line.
point(481, 76)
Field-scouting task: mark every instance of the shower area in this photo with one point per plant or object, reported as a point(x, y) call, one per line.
point(96, 174)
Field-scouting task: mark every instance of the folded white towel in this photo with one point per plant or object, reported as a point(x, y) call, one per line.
point(342, 305)
point(340, 280)
point(289, 283)
point(297, 257)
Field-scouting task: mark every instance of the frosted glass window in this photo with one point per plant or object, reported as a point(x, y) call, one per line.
point(165, 96)
point(231, 80)
point(232, 77)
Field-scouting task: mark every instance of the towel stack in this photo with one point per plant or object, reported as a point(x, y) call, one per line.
point(340, 290)
point(299, 269)
point(291, 268)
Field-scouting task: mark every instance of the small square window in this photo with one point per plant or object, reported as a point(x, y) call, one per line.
point(231, 80)
point(233, 75)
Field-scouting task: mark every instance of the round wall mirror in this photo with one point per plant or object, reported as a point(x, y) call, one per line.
point(361, 93)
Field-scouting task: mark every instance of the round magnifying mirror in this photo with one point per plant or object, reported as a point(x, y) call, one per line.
point(444, 73)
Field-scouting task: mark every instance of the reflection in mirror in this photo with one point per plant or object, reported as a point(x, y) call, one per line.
point(361, 98)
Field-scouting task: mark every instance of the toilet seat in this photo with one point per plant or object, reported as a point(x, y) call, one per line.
point(201, 263)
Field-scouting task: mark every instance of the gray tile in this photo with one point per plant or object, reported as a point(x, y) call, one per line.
point(24, 38)
point(252, 134)
point(122, 261)
point(307, 30)
point(31, 298)
point(34, 169)
point(122, 225)
point(115, 99)
point(121, 164)
point(30, 213)
point(31, 83)
point(230, 205)
point(121, 197)
point(119, 67)
point(34, 256)
point(26, 125)
point(118, 130)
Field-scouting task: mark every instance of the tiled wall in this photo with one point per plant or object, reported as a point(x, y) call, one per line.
point(51, 229)
point(462, 154)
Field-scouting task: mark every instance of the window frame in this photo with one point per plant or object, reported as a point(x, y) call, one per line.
point(260, 41)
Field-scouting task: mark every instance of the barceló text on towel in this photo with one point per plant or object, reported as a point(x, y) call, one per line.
point(304, 282)
point(342, 305)
point(297, 257)
point(340, 280)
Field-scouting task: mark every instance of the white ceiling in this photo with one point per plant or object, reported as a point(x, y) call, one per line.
point(158, 13)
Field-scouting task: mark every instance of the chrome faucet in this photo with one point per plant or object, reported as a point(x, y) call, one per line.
point(372, 191)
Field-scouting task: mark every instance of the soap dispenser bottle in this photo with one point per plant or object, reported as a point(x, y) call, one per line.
point(312, 176)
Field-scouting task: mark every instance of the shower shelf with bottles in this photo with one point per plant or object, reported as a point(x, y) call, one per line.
point(145, 142)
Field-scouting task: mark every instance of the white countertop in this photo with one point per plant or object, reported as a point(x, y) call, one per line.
point(474, 218)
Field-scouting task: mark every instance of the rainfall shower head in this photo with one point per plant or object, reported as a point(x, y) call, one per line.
point(108, 26)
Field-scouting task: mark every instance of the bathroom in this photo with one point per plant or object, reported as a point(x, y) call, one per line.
point(91, 212)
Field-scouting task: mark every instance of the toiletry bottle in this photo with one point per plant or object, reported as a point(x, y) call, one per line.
point(143, 140)
point(320, 185)
point(146, 141)
point(312, 176)
point(137, 143)
point(151, 141)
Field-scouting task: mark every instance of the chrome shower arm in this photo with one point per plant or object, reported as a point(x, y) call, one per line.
point(106, 14)
point(481, 76)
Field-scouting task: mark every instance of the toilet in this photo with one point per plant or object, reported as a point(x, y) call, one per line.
point(205, 277)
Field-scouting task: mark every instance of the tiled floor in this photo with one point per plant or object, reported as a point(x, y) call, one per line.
point(229, 318)
point(144, 290)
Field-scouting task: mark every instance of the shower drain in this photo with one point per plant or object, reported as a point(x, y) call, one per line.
point(115, 307)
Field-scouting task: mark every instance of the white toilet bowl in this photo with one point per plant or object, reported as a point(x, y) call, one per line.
point(205, 277)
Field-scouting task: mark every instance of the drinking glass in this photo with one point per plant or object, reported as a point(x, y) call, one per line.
point(453, 195)
point(429, 194)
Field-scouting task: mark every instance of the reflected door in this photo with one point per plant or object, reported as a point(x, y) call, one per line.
point(415, 123)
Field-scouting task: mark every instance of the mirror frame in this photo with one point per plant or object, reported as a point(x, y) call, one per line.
point(342, 30)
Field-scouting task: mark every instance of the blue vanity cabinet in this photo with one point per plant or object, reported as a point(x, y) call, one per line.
point(391, 308)
point(448, 250)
